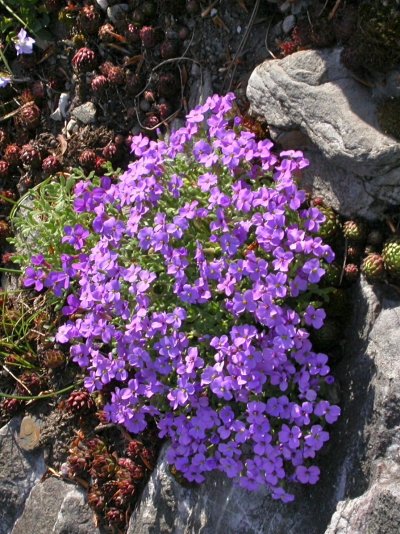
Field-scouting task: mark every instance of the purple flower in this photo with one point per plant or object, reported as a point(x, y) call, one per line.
point(314, 317)
point(34, 278)
point(4, 81)
point(313, 271)
point(24, 43)
point(307, 475)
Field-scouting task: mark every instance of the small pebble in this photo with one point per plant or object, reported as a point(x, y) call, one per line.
point(288, 23)
point(29, 433)
point(103, 4)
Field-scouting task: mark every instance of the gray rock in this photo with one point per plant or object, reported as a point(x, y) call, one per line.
point(103, 4)
point(85, 113)
point(56, 507)
point(352, 161)
point(313, 91)
point(201, 87)
point(117, 12)
point(288, 23)
point(374, 506)
point(19, 472)
point(359, 486)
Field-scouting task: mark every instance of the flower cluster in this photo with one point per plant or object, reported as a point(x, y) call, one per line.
point(194, 301)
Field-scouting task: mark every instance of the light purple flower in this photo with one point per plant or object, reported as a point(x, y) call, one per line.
point(24, 43)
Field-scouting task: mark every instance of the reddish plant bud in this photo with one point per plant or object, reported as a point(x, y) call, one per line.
point(51, 164)
point(28, 116)
point(148, 36)
point(30, 156)
point(88, 159)
point(84, 60)
point(169, 49)
point(4, 169)
point(80, 402)
point(88, 20)
point(5, 229)
point(110, 151)
point(12, 154)
point(99, 84)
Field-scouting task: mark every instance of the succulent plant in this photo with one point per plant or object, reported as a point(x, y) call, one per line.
point(354, 253)
point(31, 381)
point(169, 49)
point(110, 151)
point(132, 34)
point(106, 32)
point(88, 159)
point(164, 110)
point(168, 85)
point(89, 20)
point(100, 165)
point(6, 194)
point(12, 154)
point(99, 84)
point(151, 121)
point(354, 231)
point(51, 164)
point(148, 36)
point(373, 267)
point(5, 229)
point(84, 60)
point(96, 499)
point(28, 116)
point(330, 227)
point(11, 406)
point(80, 402)
point(391, 256)
point(3, 138)
point(115, 517)
point(4, 168)
point(351, 272)
point(30, 156)
point(53, 358)
point(115, 75)
point(103, 467)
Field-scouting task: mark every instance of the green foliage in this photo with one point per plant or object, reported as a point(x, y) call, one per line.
point(30, 14)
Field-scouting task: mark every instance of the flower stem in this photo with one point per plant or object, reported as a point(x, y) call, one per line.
point(38, 397)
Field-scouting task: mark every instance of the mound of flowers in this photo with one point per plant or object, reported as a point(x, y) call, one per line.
point(189, 285)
